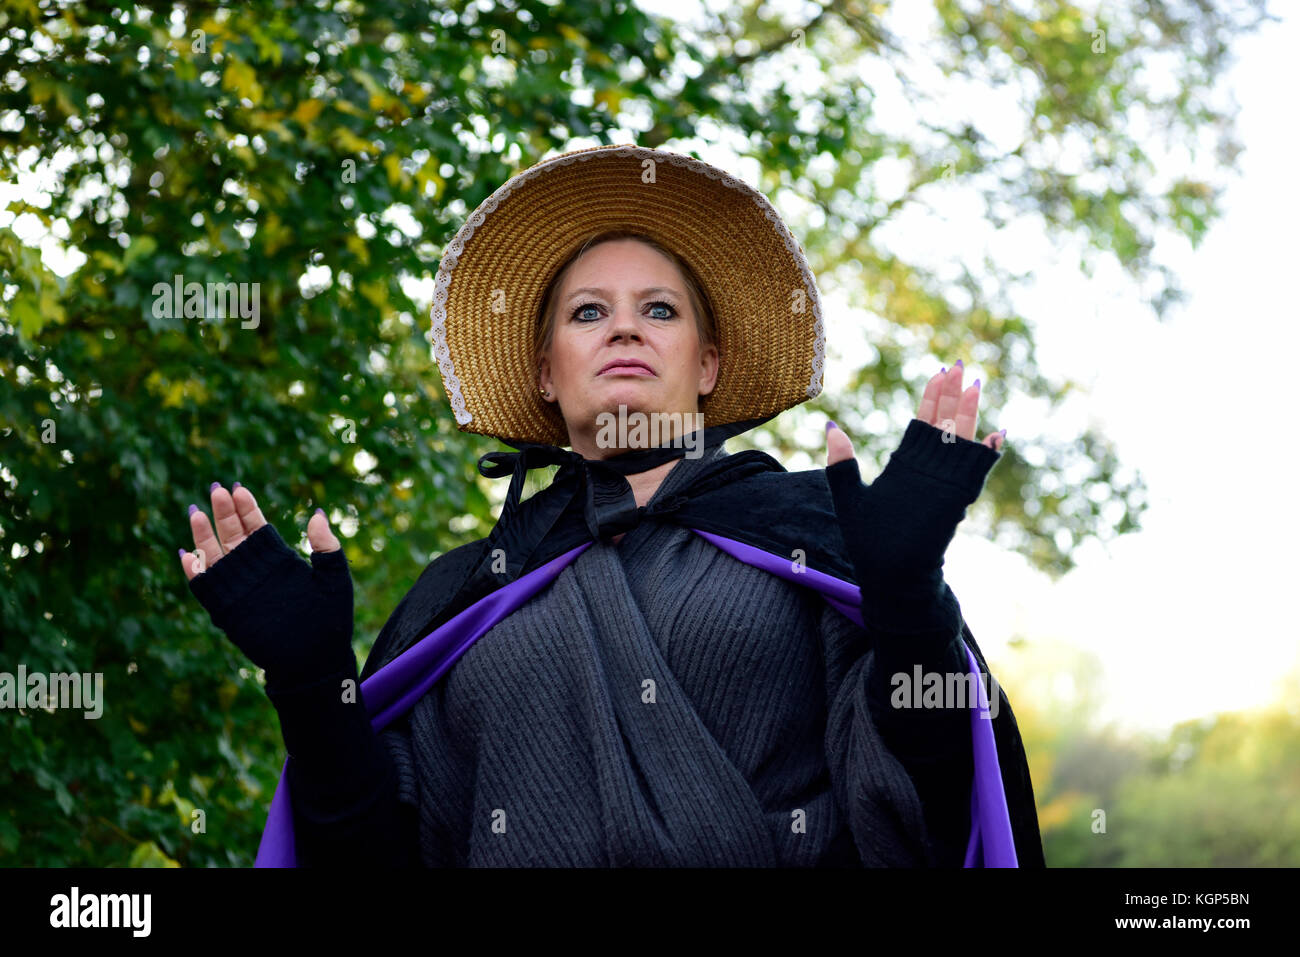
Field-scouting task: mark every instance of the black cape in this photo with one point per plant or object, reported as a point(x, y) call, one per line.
point(748, 497)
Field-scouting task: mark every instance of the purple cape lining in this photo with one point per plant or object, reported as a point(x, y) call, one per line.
point(392, 690)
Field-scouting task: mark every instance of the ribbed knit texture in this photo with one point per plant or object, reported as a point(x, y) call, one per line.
point(542, 746)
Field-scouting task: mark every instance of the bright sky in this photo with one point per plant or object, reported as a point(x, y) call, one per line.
point(1187, 616)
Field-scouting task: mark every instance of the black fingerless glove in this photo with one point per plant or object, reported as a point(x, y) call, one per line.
point(897, 528)
point(291, 618)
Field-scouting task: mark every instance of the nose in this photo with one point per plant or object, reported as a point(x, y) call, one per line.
point(624, 324)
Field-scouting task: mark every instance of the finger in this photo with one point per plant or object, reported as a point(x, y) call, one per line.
point(191, 564)
point(949, 399)
point(930, 399)
point(968, 411)
point(250, 516)
point(994, 440)
point(229, 527)
point(842, 473)
point(319, 534)
point(206, 546)
point(838, 446)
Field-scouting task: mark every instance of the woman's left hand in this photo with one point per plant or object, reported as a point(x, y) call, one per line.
point(943, 405)
point(897, 528)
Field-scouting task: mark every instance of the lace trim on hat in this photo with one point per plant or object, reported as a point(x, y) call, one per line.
point(451, 256)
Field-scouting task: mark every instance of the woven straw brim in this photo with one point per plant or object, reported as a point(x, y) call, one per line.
point(494, 272)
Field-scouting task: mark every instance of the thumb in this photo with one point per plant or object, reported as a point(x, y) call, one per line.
point(838, 446)
point(319, 534)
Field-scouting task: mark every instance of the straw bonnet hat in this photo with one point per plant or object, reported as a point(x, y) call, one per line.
point(494, 272)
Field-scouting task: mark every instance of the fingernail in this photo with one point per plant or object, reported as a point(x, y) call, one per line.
point(213, 485)
point(958, 363)
point(320, 511)
point(944, 369)
point(1004, 433)
point(193, 509)
point(976, 383)
point(235, 486)
point(180, 552)
point(830, 424)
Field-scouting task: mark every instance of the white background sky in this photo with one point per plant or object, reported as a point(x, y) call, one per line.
point(1194, 614)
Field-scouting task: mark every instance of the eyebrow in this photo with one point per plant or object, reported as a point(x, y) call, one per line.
point(585, 290)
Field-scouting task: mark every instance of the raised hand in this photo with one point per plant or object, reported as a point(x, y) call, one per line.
point(291, 618)
point(943, 405)
point(898, 528)
point(239, 516)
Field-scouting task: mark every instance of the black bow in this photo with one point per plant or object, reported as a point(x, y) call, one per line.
point(608, 505)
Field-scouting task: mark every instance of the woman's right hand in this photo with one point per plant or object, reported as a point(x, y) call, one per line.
point(291, 618)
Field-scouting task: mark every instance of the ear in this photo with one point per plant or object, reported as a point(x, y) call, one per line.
point(708, 369)
point(544, 380)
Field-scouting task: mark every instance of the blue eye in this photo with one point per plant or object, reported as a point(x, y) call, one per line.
point(672, 311)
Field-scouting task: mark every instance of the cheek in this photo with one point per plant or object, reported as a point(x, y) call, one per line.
point(571, 359)
point(683, 355)
point(564, 356)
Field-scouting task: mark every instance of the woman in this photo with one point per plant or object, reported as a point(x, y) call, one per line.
point(692, 677)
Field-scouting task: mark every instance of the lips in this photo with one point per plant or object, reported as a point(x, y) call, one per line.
point(626, 367)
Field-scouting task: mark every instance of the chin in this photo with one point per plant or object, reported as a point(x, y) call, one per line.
point(633, 394)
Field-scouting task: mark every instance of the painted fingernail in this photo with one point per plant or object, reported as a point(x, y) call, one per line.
point(830, 424)
point(213, 485)
point(977, 382)
point(180, 552)
point(944, 369)
point(320, 511)
point(1004, 433)
point(958, 363)
point(235, 486)
point(193, 509)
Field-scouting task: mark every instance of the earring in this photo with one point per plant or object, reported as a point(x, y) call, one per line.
point(545, 394)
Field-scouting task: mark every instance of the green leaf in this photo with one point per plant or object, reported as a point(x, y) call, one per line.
point(143, 245)
point(149, 854)
point(25, 311)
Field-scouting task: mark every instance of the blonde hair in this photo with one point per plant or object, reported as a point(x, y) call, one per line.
point(705, 322)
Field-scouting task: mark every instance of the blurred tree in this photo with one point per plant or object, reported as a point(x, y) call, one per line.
point(1219, 791)
point(327, 152)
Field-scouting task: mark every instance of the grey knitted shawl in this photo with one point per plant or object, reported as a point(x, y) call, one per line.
point(663, 704)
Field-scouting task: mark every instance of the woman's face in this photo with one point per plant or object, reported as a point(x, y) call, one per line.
point(623, 301)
